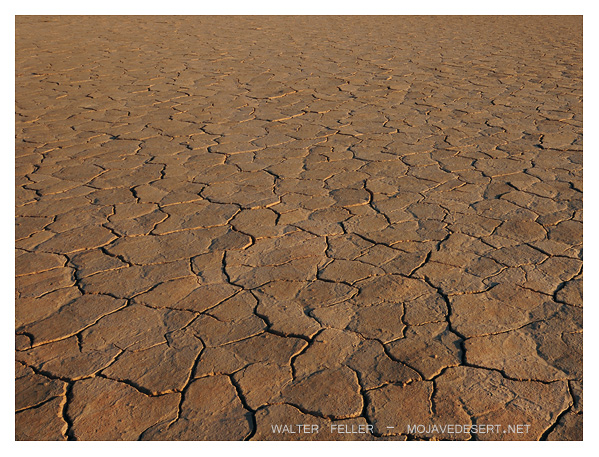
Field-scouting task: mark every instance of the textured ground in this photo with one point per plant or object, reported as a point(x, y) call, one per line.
point(224, 224)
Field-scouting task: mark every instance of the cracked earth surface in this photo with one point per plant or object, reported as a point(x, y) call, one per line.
point(225, 223)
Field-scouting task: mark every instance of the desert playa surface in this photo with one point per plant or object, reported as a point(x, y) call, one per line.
point(319, 228)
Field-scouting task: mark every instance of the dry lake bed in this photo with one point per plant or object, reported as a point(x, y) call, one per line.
point(320, 228)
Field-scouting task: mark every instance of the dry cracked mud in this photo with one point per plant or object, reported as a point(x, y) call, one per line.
point(226, 225)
